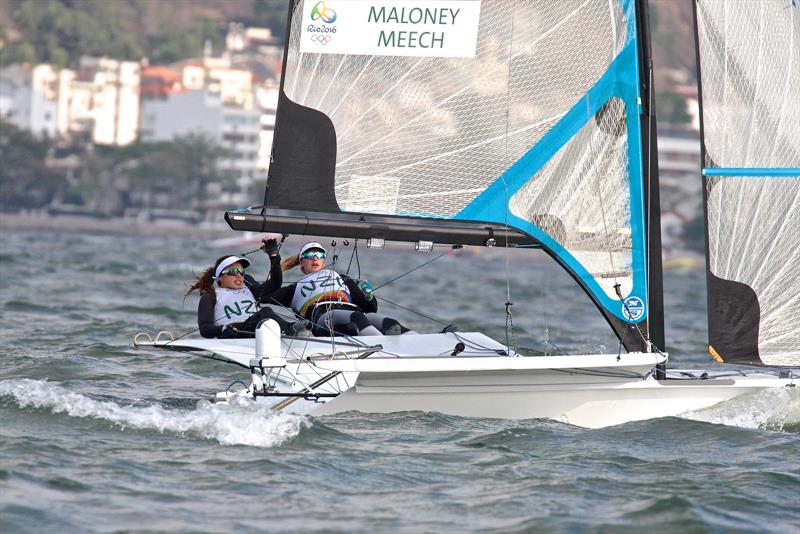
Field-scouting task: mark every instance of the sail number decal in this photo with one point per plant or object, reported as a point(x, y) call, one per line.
point(310, 287)
point(431, 28)
point(243, 307)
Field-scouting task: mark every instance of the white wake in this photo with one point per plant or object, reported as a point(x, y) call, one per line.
point(242, 423)
point(771, 408)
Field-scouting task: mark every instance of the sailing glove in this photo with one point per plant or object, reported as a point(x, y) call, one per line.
point(228, 332)
point(270, 246)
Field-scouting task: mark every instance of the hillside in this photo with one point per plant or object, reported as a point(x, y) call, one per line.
point(60, 31)
point(52, 31)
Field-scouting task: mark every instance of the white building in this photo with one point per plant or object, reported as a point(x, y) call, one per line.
point(216, 75)
point(267, 102)
point(103, 99)
point(234, 128)
point(679, 178)
point(28, 98)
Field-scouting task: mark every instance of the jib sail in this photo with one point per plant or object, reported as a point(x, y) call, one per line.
point(749, 63)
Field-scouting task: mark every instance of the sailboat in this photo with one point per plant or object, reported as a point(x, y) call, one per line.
point(531, 124)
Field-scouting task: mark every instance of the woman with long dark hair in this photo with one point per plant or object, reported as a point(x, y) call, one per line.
point(232, 303)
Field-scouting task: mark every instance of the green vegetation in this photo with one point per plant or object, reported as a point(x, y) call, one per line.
point(36, 174)
point(694, 233)
point(671, 108)
point(25, 180)
point(60, 31)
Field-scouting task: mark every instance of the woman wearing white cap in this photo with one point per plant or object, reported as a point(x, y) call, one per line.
point(330, 301)
point(230, 299)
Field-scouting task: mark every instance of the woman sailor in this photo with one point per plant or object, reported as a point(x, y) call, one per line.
point(330, 301)
point(230, 299)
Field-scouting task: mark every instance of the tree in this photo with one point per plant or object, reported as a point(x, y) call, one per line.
point(25, 179)
point(671, 107)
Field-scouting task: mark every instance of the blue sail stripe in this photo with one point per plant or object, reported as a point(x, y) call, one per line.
point(620, 80)
point(742, 171)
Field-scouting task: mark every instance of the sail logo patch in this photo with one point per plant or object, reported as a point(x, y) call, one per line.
point(633, 310)
point(321, 11)
point(417, 28)
point(321, 34)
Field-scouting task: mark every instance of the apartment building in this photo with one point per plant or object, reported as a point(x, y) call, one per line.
point(183, 113)
point(28, 98)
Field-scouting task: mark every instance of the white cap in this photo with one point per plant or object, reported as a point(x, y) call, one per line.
point(311, 246)
point(227, 262)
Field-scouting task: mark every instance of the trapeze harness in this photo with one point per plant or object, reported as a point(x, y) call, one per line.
point(320, 292)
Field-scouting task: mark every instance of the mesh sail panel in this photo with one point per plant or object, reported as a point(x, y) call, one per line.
point(754, 242)
point(750, 83)
point(581, 198)
point(750, 73)
point(424, 135)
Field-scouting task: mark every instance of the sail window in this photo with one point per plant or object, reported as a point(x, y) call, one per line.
point(581, 198)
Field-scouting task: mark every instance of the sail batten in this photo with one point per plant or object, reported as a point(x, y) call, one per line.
point(765, 172)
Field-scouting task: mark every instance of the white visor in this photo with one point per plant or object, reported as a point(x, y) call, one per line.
point(311, 246)
point(227, 262)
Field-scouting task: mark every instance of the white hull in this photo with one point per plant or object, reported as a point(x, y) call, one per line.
point(417, 373)
point(591, 405)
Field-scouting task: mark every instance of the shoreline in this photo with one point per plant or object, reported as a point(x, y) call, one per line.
point(677, 259)
point(112, 226)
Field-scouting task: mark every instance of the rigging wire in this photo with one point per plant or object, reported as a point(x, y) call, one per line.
point(453, 247)
point(413, 311)
point(354, 254)
point(512, 342)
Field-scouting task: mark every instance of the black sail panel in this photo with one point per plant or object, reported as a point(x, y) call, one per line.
point(300, 178)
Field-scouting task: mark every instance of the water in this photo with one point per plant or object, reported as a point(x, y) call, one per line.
point(97, 436)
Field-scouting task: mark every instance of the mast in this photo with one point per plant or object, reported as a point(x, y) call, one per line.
point(655, 319)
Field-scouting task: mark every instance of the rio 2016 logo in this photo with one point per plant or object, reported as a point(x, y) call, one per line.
point(324, 13)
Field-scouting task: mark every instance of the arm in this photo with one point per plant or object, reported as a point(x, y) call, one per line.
point(260, 290)
point(274, 280)
point(360, 298)
point(205, 317)
point(282, 296)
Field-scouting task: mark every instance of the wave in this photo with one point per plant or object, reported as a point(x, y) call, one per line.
point(242, 423)
point(771, 409)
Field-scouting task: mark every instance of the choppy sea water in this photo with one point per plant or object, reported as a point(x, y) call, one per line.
point(96, 436)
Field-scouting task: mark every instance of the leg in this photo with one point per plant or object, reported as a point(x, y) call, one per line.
point(344, 322)
point(387, 325)
point(254, 320)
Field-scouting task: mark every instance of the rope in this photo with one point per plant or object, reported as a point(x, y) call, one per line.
point(413, 311)
point(354, 255)
point(454, 247)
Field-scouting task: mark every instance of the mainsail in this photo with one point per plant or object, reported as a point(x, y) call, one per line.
point(749, 63)
point(504, 122)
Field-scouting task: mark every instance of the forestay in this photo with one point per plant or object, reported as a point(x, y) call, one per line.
point(749, 55)
point(505, 121)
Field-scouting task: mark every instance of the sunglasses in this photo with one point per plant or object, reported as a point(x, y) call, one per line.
point(313, 254)
point(233, 272)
